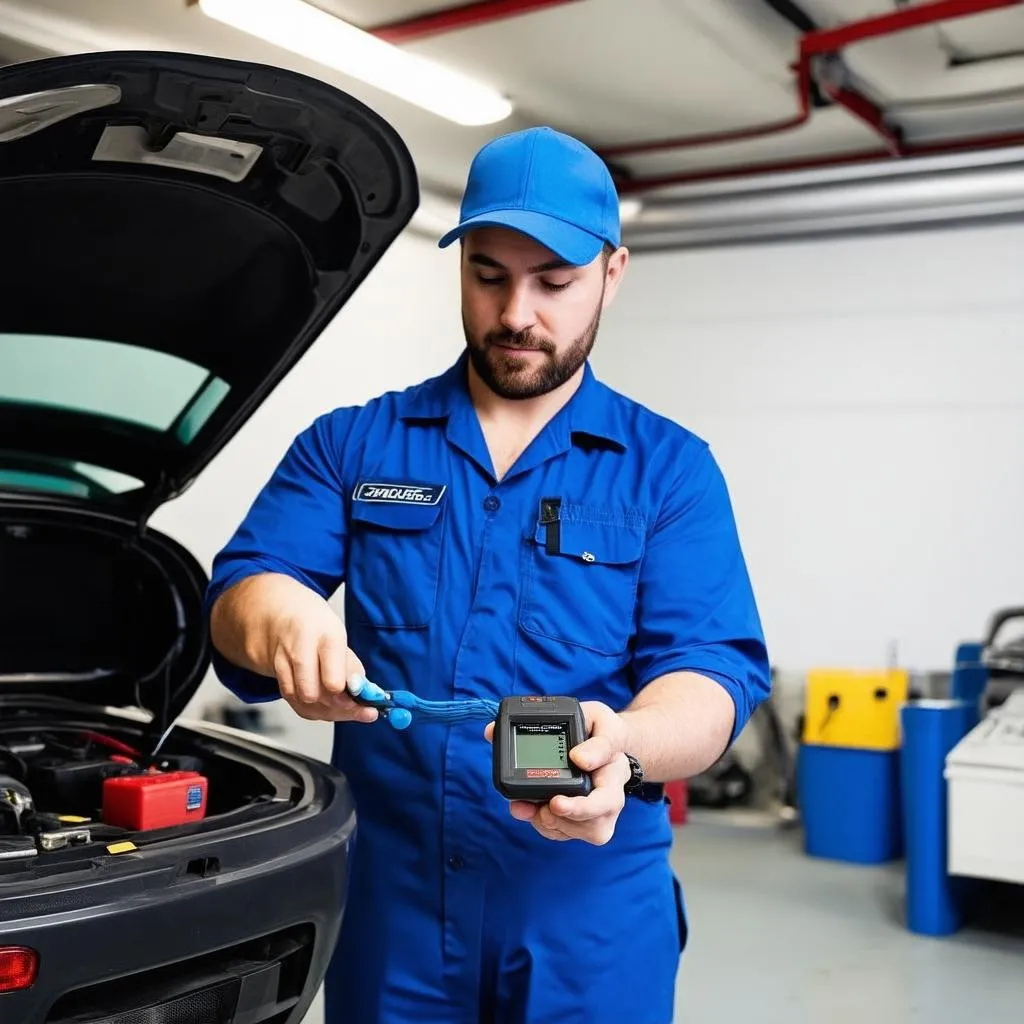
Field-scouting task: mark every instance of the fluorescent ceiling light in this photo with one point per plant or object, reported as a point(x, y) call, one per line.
point(313, 33)
point(630, 209)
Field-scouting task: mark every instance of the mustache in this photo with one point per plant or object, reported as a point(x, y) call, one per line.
point(519, 339)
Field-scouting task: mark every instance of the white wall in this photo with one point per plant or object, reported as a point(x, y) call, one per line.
point(863, 396)
point(401, 326)
point(866, 400)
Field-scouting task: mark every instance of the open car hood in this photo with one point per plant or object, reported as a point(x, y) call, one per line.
point(177, 231)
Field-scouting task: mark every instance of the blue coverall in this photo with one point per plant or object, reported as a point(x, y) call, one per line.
point(457, 912)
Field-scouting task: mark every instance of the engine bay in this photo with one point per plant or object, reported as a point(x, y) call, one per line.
point(72, 789)
point(103, 642)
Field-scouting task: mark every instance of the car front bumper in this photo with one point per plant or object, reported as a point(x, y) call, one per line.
point(230, 929)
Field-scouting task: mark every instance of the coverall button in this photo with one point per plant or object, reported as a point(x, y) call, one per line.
point(491, 503)
point(456, 863)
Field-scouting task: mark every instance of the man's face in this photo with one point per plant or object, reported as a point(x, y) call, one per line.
point(530, 319)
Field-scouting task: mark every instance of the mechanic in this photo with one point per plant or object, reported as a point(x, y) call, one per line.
point(511, 526)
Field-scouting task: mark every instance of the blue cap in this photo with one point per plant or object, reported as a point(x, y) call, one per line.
point(546, 185)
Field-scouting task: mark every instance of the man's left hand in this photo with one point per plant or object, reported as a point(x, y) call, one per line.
point(591, 818)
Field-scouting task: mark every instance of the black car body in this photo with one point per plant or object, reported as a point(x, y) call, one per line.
point(176, 231)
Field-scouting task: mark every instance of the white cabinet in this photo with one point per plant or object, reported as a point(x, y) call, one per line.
point(985, 778)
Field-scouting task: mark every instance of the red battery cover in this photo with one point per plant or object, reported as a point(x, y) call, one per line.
point(155, 800)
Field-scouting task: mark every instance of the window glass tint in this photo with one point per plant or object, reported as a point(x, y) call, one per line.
point(62, 476)
point(146, 388)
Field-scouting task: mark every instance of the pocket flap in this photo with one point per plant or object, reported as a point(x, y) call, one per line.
point(395, 515)
point(600, 543)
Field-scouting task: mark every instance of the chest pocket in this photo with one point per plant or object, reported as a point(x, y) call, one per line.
point(581, 587)
point(394, 562)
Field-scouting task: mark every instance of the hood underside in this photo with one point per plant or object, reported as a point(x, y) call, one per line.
point(179, 230)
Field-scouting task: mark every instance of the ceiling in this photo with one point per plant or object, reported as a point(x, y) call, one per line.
point(676, 94)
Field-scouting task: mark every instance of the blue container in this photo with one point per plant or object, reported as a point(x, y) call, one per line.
point(850, 803)
point(936, 904)
point(970, 677)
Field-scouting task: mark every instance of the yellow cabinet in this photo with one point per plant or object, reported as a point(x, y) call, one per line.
point(850, 708)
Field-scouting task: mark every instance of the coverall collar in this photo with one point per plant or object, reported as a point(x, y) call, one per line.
point(590, 416)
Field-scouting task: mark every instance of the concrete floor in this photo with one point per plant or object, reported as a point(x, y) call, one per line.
point(780, 938)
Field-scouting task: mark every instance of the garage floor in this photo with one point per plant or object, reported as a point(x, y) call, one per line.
point(779, 938)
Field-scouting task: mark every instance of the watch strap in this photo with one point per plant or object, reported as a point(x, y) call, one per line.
point(637, 786)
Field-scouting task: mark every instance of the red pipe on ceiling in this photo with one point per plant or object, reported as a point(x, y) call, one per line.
point(819, 45)
point(629, 187)
point(870, 113)
point(462, 16)
point(733, 135)
point(831, 40)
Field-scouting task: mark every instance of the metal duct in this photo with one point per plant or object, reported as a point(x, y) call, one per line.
point(909, 194)
point(817, 67)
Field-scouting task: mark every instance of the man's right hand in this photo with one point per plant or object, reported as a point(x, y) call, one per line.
point(274, 625)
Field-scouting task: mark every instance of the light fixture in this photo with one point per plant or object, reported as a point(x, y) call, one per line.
point(630, 209)
point(311, 32)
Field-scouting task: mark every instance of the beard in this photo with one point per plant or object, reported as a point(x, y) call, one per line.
point(512, 376)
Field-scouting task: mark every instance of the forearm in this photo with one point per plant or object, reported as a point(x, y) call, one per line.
point(679, 725)
point(241, 619)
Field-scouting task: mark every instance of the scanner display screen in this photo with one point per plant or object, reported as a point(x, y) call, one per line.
point(540, 746)
point(534, 734)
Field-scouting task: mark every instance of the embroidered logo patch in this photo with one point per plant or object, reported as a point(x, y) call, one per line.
point(400, 494)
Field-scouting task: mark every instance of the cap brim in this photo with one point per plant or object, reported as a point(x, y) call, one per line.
point(566, 241)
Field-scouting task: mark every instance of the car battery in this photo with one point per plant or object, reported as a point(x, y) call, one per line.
point(154, 800)
point(58, 783)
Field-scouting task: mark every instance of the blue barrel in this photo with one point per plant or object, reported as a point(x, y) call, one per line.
point(849, 802)
point(936, 904)
point(970, 676)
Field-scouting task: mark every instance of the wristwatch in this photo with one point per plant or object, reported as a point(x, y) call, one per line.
point(636, 786)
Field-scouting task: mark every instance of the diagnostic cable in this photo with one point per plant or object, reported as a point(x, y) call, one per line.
point(533, 736)
point(399, 706)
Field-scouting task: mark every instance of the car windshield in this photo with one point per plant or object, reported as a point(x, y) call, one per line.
point(139, 386)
